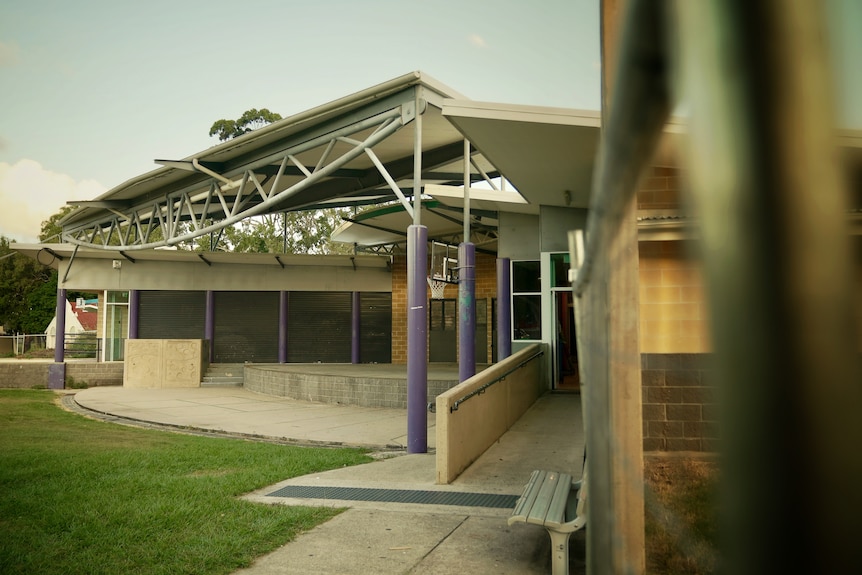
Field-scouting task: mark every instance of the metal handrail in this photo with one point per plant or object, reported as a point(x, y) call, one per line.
point(485, 386)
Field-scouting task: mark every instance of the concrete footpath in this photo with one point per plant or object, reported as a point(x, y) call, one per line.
point(373, 536)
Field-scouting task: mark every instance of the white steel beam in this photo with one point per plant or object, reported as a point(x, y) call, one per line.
point(195, 203)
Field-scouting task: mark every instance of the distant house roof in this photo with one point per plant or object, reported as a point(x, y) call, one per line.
point(87, 317)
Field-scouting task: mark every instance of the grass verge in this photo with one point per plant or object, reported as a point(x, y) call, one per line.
point(84, 496)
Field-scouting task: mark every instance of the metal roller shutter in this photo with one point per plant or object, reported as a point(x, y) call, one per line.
point(375, 327)
point(171, 314)
point(246, 327)
point(319, 327)
point(442, 333)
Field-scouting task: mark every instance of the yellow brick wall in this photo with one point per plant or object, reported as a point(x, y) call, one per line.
point(486, 288)
point(673, 310)
point(399, 309)
point(659, 189)
point(856, 243)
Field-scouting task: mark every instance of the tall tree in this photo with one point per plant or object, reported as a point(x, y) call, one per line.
point(51, 229)
point(24, 283)
point(250, 120)
point(28, 289)
point(307, 233)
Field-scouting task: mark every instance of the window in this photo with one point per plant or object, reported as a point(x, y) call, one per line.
point(526, 301)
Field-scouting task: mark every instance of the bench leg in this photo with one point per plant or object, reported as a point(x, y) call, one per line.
point(559, 552)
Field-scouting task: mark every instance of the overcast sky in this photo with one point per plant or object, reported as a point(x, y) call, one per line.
point(92, 91)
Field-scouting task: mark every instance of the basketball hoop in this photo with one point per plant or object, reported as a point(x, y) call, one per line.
point(437, 288)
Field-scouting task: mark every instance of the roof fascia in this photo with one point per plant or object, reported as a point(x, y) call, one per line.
point(521, 113)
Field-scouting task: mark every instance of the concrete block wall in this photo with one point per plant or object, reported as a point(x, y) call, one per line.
point(23, 374)
point(29, 374)
point(95, 374)
point(680, 406)
point(334, 389)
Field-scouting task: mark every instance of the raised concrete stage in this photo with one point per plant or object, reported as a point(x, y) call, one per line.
point(365, 385)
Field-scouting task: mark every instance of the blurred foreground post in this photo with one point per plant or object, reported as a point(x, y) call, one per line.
point(770, 193)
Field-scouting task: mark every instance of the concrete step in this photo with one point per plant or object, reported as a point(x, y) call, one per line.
point(221, 381)
point(223, 374)
point(229, 369)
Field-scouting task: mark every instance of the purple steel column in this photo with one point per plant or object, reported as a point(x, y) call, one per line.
point(60, 325)
point(504, 310)
point(209, 324)
point(417, 339)
point(282, 327)
point(134, 302)
point(466, 311)
point(354, 328)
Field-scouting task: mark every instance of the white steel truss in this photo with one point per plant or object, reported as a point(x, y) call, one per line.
point(225, 199)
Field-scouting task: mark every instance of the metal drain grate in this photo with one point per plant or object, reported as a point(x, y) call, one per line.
point(492, 500)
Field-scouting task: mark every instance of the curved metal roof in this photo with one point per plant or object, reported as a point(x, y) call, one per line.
point(357, 150)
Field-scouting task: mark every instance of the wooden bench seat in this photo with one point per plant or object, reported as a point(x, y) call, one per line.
point(551, 499)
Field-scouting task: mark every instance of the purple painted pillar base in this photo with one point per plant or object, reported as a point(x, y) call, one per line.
point(57, 376)
point(417, 339)
point(466, 311)
point(60, 325)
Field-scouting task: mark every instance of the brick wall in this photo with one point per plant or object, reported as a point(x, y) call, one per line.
point(673, 309)
point(680, 411)
point(679, 406)
point(399, 309)
point(673, 312)
point(856, 246)
point(486, 288)
point(659, 189)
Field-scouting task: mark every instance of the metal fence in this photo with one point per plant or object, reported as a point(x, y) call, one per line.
point(20, 344)
point(77, 345)
point(82, 346)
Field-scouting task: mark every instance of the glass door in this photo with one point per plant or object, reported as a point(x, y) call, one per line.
point(116, 324)
point(563, 337)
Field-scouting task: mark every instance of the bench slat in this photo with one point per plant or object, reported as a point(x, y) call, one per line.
point(543, 501)
point(527, 498)
point(546, 501)
point(555, 515)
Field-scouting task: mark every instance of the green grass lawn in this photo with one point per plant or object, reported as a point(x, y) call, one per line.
point(85, 496)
